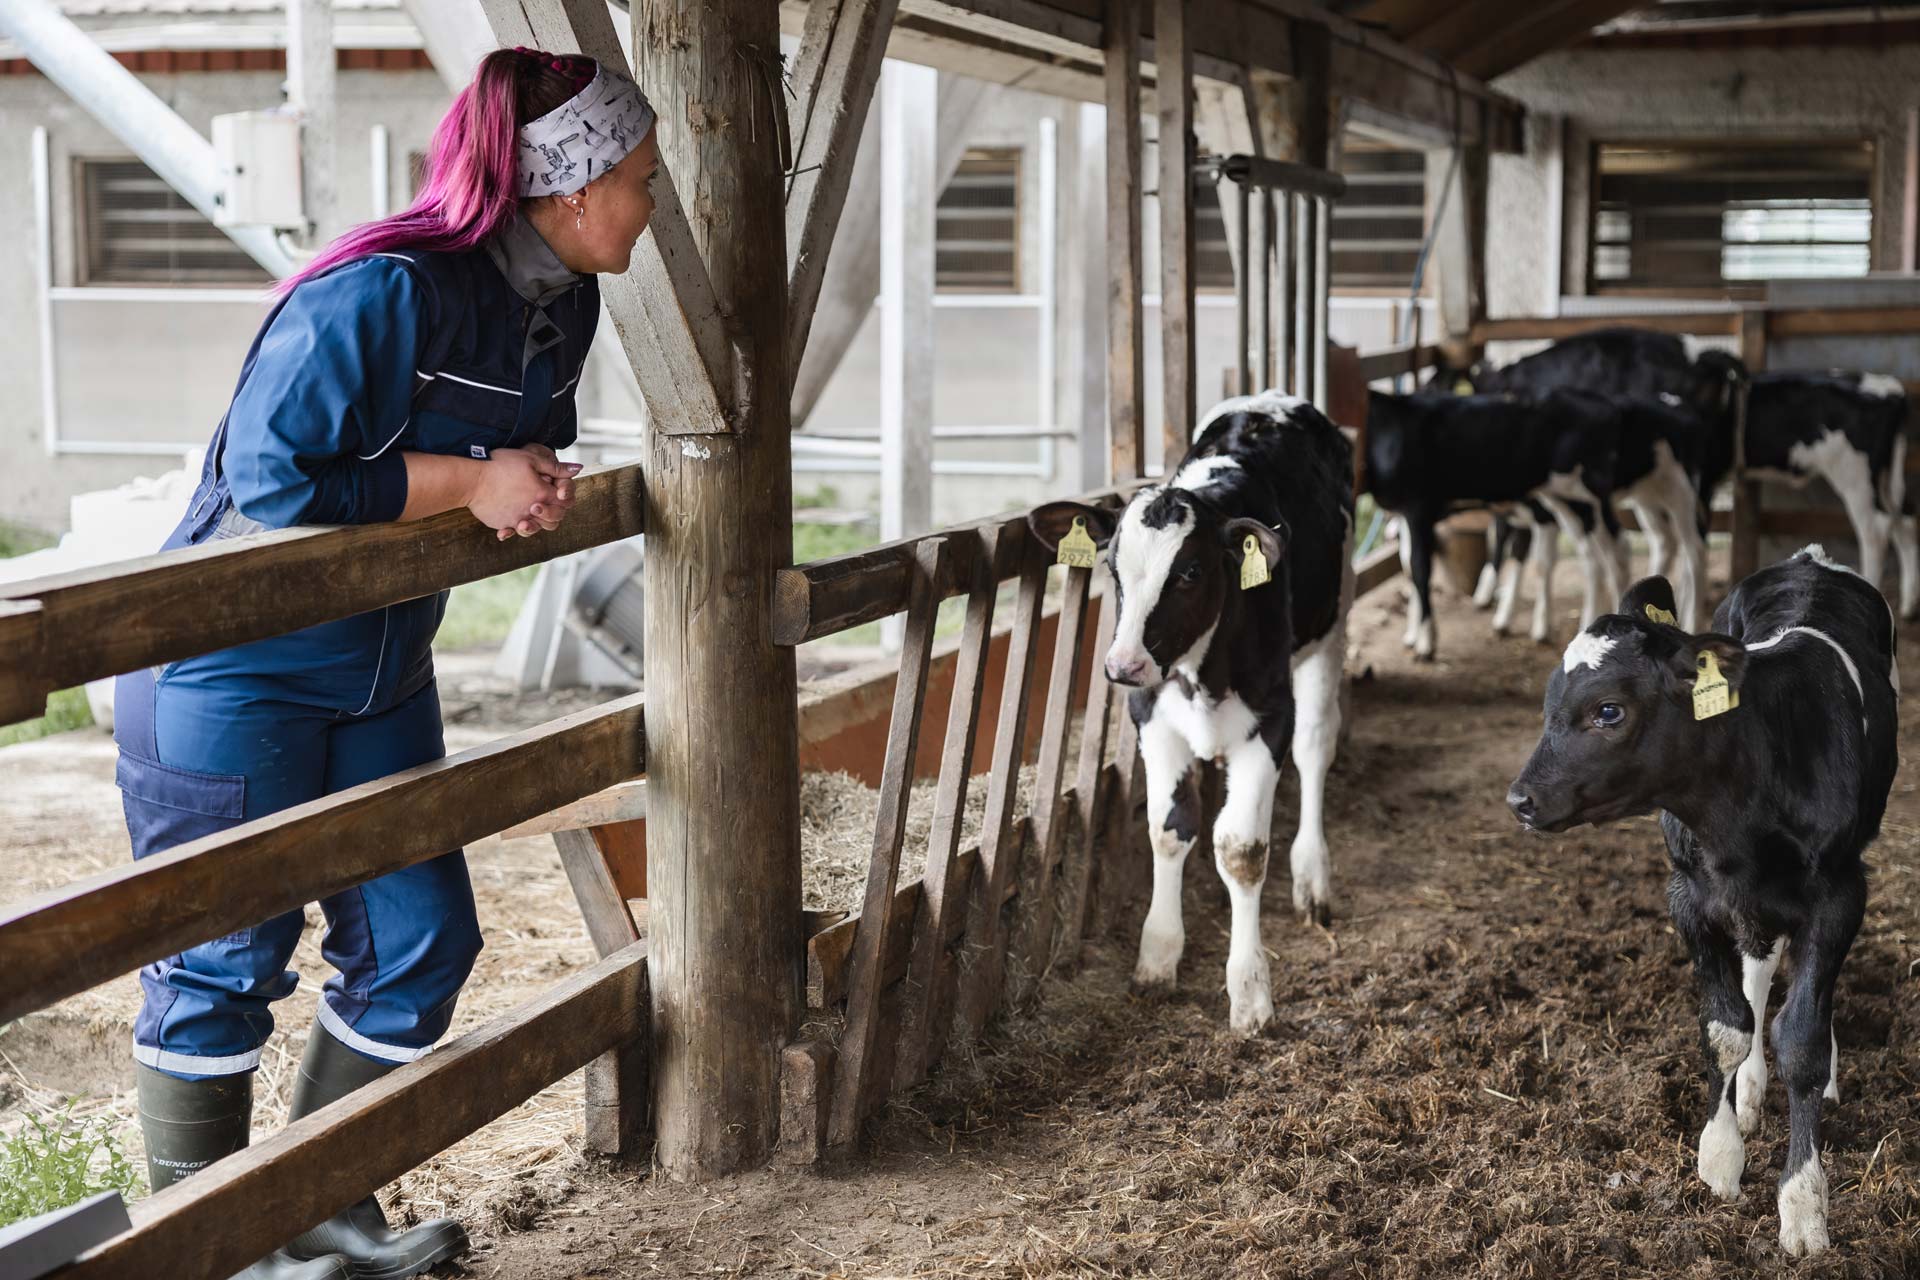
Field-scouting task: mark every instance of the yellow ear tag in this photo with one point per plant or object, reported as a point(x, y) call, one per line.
point(1462, 387)
point(1656, 614)
point(1077, 550)
point(1712, 695)
point(1253, 565)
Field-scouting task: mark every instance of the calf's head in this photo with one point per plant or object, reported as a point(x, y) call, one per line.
point(1175, 557)
point(1619, 734)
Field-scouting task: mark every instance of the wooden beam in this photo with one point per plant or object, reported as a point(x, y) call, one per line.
point(1447, 32)
point(908, 195)
point(835, 72)
point(1529, 328)
point(1391, 362)
point(244, 1206)
point(664, 307)
point(1747, 513)
point(622, 802)
point(129, 614)
point(1173, 64)
point(723, 849)
point(1460, 258)
point(61, 942)
point(1126, 376)
point(1834, 322)
point(1541, 29)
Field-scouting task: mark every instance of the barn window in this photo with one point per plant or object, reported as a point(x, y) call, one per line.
point(135, 229)
point(1692, 216)
point(977, 238)
point(1376, 232)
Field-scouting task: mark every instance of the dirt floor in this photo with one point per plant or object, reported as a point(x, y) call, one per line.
point(1489, 1066)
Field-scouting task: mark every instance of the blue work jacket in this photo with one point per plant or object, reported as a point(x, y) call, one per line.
point(449, 353)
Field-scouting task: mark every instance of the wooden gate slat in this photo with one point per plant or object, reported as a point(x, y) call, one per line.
point(862, 1035)
point(928, 1007)
point(1125, 871)
point(1049, 813)
point(999, 850)
point(1087, 792)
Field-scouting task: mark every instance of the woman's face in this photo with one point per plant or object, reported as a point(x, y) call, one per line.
point(595, 228)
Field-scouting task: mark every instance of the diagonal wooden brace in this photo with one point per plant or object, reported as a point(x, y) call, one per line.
point(664, 308)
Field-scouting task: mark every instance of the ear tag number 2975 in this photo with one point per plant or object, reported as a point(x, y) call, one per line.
point(1712, 695)
point(1077, 550)
point(1253, 565)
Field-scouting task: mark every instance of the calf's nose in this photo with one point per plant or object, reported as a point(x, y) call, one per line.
point(1521, 803)
point(1125, 670)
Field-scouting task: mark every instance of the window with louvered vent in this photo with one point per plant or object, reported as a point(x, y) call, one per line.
point(977, 233)
point(1694, 216)
point(135, 229)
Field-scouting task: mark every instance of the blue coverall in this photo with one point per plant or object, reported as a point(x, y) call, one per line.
point(438, 353)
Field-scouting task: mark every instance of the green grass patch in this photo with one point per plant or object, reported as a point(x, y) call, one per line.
point(17, 540)
point(480, 614)
point(66, 709)
point(56, 1160)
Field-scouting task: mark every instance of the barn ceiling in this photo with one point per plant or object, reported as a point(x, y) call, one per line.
point(1488, 38)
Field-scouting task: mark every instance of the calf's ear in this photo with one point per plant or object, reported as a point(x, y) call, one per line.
point(1051, 522)
point(1650, 599)
point(1271, 539)
point(1688, 663)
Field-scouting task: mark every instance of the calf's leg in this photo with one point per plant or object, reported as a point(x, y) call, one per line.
point(1317, 680)
point(1240, 837)
point(1804, 1046)
point(1173, 823)
point(1727, 1034)
point(1420, 569)
point(1756, 979)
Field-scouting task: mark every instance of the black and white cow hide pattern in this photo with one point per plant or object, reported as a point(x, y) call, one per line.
point(1221, 673)
point(1767, 809)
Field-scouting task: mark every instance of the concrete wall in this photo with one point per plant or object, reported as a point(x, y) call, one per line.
point(1625, 95)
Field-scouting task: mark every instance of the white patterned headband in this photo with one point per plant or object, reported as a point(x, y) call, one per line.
point(583, 137)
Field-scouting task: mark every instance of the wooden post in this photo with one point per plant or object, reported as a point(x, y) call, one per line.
point(909, 111)
point(1173, 91)
point(1126, 377)
point(1459, 255)
point(1086, 310)
point(723, 821)
point(1746, 493)
point(311, 79)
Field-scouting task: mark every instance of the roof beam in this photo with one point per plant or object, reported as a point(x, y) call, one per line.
point(1541, 30)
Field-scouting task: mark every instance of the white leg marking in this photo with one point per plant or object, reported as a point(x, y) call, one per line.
point(1489, 582)
point(1803, 1210)
point(1240, 855)
point(1546, 558)
point(1166, 757)
point(1586, 547)
point(1846, 469)
point(1723, 1156)
point(1317, 678)
point(1509, 591)
point(1750, 1087)
point(1832, 1093)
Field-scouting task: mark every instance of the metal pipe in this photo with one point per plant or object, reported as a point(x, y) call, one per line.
point(133, 113)
point(380, 149)
point(43, 273)
point(1283, 317)
point(1265, 287)
point(1280, 175)
point(1049, 177)
point(1243, 286)
point(1322, 298)
point(1302, 296)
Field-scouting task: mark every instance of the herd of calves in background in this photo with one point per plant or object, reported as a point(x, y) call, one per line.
point(1767, 743)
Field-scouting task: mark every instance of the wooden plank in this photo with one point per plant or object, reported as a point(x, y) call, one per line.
point(64, 941)
point(609, 924)
point(858, 1042)
point(237, 1210)
point(1173, 93)
point(908, 134)
point(1747, 508)
point(622, 802)
point(1126, 354)
point(1089, 797)
point(999, 852)
point(928, 1011)
point(723, 805)
point(1123, 874)
point(1414, 358)
point(619, 1101)
point(806, 1073)
point(1540, 29)
point(129, 614)
point(825, 596)
point(1049, 812)
point(1831, 322)
point(664, 308)
point(1529, 328)
point(835, 72)
point(1379, 567)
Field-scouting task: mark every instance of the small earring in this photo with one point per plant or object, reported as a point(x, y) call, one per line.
point(579, 216)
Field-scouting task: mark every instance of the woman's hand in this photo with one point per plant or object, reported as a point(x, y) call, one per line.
point(522, 491)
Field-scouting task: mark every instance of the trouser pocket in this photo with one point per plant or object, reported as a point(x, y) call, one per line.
point(167, 806)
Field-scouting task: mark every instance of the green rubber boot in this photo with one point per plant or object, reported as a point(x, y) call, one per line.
point(189, 1124)
point(330, 1071)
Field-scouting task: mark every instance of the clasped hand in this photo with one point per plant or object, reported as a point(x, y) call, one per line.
point(523, 491)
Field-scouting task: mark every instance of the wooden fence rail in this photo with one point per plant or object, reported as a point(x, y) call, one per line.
point(65, 629)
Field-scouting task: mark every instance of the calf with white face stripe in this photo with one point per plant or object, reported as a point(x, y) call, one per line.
point(1769, 747)
point(1216, 659)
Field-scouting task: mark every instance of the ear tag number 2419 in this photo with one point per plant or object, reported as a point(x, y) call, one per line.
point(1077, 549)
point(1712, 695)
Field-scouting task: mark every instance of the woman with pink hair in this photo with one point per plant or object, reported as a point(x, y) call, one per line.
point(422, 364)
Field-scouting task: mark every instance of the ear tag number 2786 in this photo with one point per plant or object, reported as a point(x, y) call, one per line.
point(1077, 549)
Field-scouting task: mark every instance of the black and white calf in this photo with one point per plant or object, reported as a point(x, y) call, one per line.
point(1232, 674)
point(1427, 453)
point(1768, 795)
point(1850, 430)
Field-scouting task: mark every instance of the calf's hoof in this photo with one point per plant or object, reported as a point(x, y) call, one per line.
point(1803, 1211)
point(1723, 1156)
point(1249, 1014)
point(1752, 1089)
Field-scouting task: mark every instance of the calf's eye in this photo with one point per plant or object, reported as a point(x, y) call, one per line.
point(1608, 715)
point(1188, 572)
